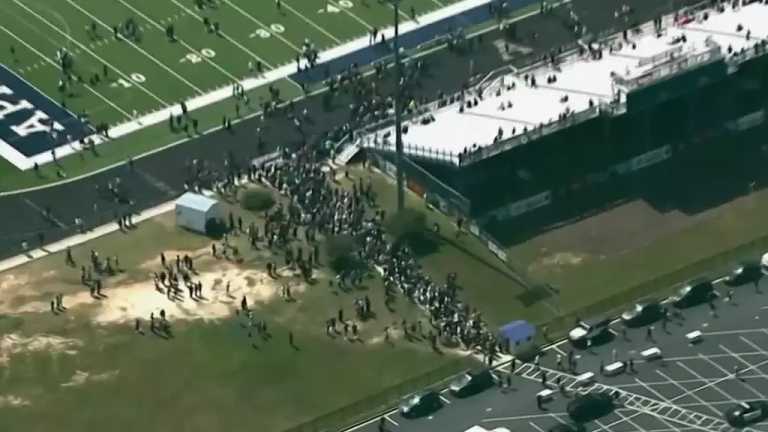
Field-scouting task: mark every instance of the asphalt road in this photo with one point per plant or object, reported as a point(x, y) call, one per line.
point(688, 388)
point(160, 177)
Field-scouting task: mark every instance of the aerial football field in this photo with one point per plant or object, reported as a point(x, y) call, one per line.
point(148, 71)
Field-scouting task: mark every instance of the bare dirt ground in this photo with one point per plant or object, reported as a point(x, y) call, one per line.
point(128, 300)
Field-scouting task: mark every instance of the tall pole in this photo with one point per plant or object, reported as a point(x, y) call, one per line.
point(398, 116)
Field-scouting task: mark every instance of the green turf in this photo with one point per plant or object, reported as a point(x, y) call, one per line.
point(208, 377)
point(153, 73)
point(119, 150)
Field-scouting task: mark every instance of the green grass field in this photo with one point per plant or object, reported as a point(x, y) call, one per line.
point(209, 377)
point(154, 73)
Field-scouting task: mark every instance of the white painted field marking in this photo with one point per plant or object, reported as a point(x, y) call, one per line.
point(225, 36)
point(42, 212)
point(312, 23)
point(355, 17)
point(54, 64)
point(202, 55)
point(138, 48)
point(84, 48)
point(264, 26)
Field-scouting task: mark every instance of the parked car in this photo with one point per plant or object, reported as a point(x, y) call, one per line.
point(694, 293)
point(764, 263)
point(590, 406)
point(567, 427)
point(471, 383)
point(420, 404)
point(745, 272)
point(586, 334)
point(643, 313)
point(746, 413)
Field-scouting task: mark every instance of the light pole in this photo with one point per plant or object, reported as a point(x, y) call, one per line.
point(398, 115)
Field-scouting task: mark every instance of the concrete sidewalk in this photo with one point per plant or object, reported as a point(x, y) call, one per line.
point(63, 244)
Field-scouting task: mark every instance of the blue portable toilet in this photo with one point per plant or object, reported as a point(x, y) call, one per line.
point(521, 335)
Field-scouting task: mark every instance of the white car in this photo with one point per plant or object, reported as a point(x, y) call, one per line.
point(764, 263)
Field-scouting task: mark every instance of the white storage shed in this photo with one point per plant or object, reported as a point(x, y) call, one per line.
point(193, 211)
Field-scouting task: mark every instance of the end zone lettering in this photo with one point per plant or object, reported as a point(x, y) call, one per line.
point(31, 123)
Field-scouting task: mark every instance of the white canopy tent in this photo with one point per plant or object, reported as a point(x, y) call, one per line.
point(193, 211)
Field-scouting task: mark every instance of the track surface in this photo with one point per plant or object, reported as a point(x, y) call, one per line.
point(160, 177)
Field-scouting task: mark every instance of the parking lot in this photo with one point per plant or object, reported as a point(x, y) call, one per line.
point(687, 388)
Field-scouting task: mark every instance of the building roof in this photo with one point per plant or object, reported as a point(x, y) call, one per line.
point(196, 201)
point(583, 83)
point(519, 330)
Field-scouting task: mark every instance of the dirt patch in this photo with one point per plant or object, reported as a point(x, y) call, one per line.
point(126, 302)
point(13, 401)
point(13, 343)
point(80, 378)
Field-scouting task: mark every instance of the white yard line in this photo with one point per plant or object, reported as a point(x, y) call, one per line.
point(692, 393)
point(83, 47)
point(54, 64)
point(745, 384)
point(310, 22)
point(160, 27)
point(348, 12)
point(138, 48)
point(438, 2)
point(234, 42)
point(264, 26)
point(225, 91)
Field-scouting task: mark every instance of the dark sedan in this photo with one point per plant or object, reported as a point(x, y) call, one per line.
point(643, 313)
point(420, 404)
point(586, 334)
point(471, 383)
point(694, 293)
point(744, 273)
point(746, 413)
point(590, 406)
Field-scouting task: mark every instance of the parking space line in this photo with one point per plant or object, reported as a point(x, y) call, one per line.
point(660, 396)
point(718, 389)
point(522, 417)
point(535, 426)
point(692, 393)
point(608, 428)
point(386, 417)
point(445, 400)
point(730, 332)
point(629, 420)
point(695, 357)
point(370, 421)
point(716, 381)
point(554, 416)
point(736, 356)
